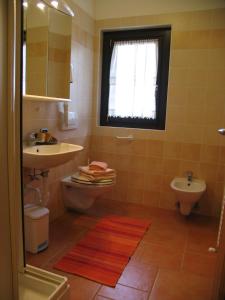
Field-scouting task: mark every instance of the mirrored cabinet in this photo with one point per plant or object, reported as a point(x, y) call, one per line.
point(46, 51)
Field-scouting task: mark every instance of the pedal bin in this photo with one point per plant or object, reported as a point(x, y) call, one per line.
point(36, 223)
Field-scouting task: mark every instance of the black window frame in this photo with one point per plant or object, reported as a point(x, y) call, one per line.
point(163, 34)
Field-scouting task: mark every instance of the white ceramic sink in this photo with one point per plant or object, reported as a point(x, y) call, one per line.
point(49, 156)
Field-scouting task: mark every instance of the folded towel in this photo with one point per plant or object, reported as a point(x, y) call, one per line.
point(93, 183)
point(81, 177)
point(86, 170)
point(97, 178)
point(98, 166)
point(86, 177)
point(77, 177)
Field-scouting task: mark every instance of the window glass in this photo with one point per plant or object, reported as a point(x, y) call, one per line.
point(133, 74)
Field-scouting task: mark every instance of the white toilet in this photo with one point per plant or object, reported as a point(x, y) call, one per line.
point(78, 196)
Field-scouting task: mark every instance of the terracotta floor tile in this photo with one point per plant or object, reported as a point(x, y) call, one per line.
point(166, 236)
point(175, 285)
point(122, 293)
point(85, 221)
point(200, 264)
point(40, 259)
point(161, 256)
point(201, 240)
point(139, 276)
point(171, 219)
point(199, 222)
point(57, 244)
point(83, 289)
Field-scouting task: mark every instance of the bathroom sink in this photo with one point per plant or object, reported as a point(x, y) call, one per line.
point(49, 156)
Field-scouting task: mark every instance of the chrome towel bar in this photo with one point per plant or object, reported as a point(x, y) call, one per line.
point(129, 137)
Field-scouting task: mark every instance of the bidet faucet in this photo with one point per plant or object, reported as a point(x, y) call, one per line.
point(189, 175)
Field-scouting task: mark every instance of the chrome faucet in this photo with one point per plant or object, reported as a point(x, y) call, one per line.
point(189, 175)
point(40, 137)
point(32, 138)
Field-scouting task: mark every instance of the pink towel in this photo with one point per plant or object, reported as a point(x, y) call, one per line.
point(98, 166)
point(86, 170)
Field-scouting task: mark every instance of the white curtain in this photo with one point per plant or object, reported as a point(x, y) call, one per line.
point(133, 74)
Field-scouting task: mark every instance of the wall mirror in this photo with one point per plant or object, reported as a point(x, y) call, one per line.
point(46, 50)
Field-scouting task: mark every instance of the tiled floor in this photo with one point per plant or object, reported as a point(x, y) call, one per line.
point(172, 261)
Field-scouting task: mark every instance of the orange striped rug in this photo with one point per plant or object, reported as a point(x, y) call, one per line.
point(105, 250)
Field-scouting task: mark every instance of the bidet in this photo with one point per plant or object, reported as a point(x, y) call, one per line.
point(187, 192)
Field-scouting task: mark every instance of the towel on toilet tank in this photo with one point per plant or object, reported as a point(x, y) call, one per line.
point(87, 175)
point(98, 166)
point(79, 178)
point(86, 170)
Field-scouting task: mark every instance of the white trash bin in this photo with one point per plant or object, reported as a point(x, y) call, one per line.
point(36, 223)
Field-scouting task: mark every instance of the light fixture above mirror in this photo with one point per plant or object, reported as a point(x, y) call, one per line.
point(41, 5)
point(60, 5)
point(55, 3)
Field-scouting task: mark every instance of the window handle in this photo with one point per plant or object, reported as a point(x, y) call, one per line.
point(156, 90)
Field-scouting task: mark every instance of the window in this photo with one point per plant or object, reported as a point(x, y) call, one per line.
point(135, 66)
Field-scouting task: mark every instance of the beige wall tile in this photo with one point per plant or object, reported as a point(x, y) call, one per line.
point(152, 182)
point(177, 95)
point(181, 39)
point(210, 153)
point(196, 96)
point(222, 155)
point(221, 173)
point(154, 148)
point(197, 77)
point(171, 167)
point(200, 20)
point(200, 39)
point(218, 18)
point(172, 150)
point(153, 165)
point(151, 198)
point(120, 194)
point(134, 195)
point(217, 38)
point(167, 200)
point(208, 171)
point(136, 180)
point(166, 180)
point(190, 152)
